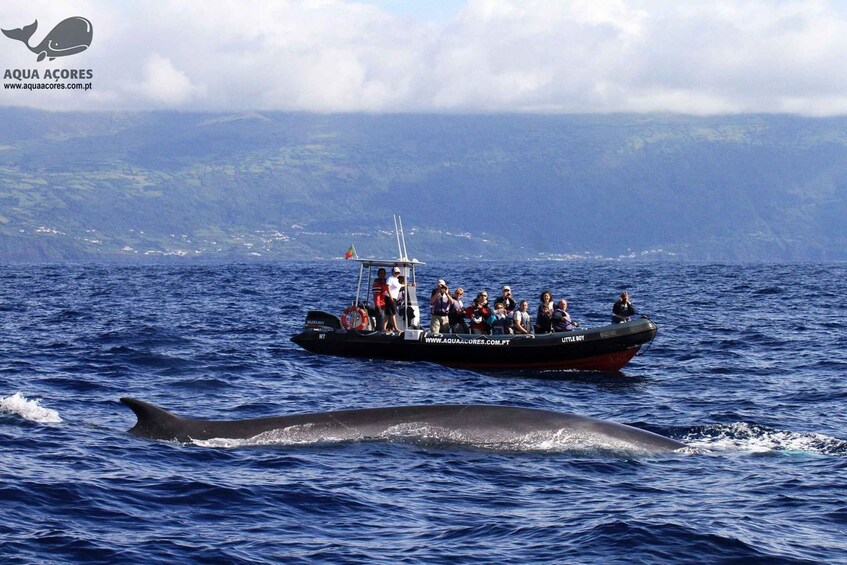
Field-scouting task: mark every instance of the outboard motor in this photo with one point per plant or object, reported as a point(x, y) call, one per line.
point(319, 320)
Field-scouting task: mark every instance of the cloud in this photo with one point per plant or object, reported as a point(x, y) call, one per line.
point(167, 85)
point(571, 56)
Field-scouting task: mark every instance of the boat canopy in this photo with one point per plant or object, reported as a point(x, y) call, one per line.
point(368, 263)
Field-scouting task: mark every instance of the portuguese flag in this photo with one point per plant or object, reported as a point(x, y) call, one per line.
point(350, 252)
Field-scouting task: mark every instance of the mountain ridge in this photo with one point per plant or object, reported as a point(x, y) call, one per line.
point(276, 186)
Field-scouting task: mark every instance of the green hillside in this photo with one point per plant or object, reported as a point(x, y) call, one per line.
point(285, 186)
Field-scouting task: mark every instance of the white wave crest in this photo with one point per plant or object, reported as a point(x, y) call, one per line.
point(28, 409)
point(743, 436)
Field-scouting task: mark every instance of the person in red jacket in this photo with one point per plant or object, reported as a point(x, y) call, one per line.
point(479, 312)
point(380, 290)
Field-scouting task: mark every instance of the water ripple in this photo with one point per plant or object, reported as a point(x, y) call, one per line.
point(747, 367)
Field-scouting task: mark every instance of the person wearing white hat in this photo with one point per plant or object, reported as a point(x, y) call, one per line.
point(507, 300)
point(391, 300)
point(394, 283)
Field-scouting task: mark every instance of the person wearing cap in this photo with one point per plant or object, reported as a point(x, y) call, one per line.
point(440, 303)
point(394, 285)
point(507, 300)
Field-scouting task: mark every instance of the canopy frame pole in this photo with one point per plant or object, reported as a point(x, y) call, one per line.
point(405, 256)
point(359, 285)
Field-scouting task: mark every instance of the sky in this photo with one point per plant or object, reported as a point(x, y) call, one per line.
point(450, 56)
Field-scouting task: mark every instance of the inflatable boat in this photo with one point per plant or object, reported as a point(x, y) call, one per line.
point(606, 348)
point(355, 333)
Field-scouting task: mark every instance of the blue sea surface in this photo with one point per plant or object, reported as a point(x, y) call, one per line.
point(748, 367)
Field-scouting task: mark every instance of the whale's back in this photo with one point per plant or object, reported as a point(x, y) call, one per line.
point(480, 425)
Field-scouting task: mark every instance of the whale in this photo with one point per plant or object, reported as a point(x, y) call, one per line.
point(479, 425)
point(69, 37)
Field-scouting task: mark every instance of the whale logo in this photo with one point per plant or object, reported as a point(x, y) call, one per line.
point(69, 37)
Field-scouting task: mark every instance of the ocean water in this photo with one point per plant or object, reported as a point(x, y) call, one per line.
point(749, 368)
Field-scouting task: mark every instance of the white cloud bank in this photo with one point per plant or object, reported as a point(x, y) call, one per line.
point(566, 56)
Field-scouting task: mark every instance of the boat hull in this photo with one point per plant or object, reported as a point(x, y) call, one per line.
point(608, 348)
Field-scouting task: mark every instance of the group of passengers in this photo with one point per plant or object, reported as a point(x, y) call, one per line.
point(507, 316)
point(448, 314)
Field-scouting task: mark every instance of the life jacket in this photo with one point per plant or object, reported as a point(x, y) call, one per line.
point(479, 317)
point(457, 312)
point(562, 321)
point(380, 289)
point(621, 312)
point(441, 306)
point(523, 317)
point(500, 323)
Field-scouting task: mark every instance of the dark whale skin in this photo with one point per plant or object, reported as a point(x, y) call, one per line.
point(476, 423)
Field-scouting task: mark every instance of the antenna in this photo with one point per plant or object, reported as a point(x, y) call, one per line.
point(403, 234)
point(397, 237)
point(401, 237)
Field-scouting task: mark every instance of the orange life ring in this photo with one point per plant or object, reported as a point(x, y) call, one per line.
point(354, 318)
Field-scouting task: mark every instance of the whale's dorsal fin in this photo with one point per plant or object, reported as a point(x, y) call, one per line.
point(153, 421)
